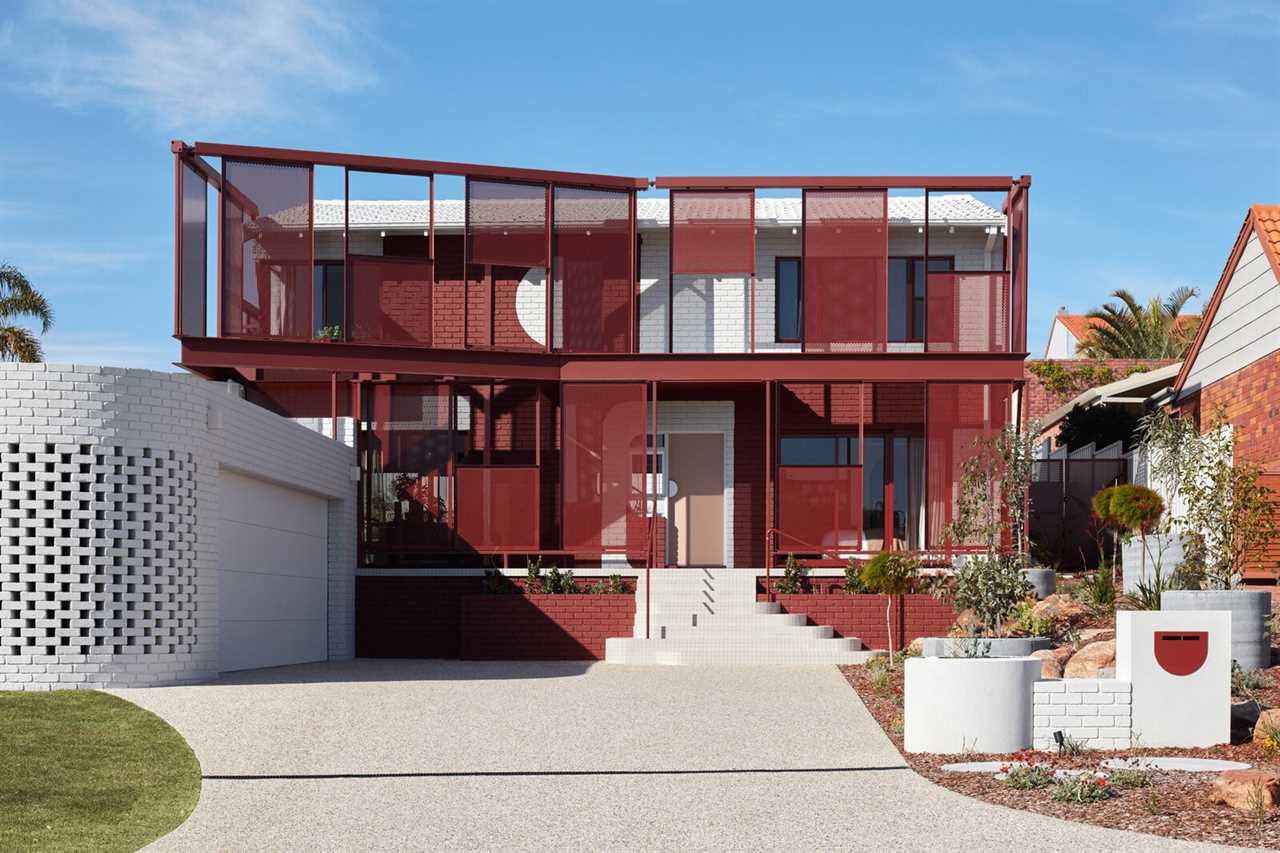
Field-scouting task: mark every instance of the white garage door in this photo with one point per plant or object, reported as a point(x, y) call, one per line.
point(272, 583)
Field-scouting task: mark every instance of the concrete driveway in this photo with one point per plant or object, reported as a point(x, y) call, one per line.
point(446, 755)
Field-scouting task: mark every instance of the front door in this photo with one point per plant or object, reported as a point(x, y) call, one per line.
point(695, 471)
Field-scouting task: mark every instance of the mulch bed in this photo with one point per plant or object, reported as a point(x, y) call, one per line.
point(1176, 805)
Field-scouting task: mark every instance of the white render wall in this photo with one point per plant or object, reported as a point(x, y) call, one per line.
point(109, 482)
point(704, 416)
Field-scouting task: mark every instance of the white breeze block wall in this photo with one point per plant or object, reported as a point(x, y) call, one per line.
point(108, 535)
point(1095, 711)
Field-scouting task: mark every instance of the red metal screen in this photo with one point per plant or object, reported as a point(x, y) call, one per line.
point(192, 251)
point(820, 508)
point(267, 246)
point(497, 507)
point(603, 428)
point(713, 231)
point(593, 290)
point(507, 223)
point(1017, 243)
point(845, 265)
point(968, 312)
point(391, 300)
point(958, 415)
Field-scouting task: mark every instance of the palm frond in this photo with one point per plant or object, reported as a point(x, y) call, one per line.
point(18, 344)
point(19, 299)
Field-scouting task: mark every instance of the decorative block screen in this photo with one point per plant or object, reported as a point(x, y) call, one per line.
point(819, 507)
point(593, 269)
point(391, 300)
point(845, 270)
point(968, 312)
point(497, 507)
point(713, 231)
point(507, 223)
point(958, 414)
point(604, 429)
point(267, 249)
point(193, 251)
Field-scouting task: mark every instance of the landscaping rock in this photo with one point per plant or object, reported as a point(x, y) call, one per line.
point(967, 624)
point(1090, 661)
point(1061, 609)
point(1239, 788)
point(1244, 717)
point(915, 647)
point(1054, 660)
point(1268, 722)
point(1096, 635)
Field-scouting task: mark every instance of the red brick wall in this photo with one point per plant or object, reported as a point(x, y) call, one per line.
point(815, 408)
point(862, 616)
point(542, 627)
point(1251, 397)
point(1041, 401)
point(427, 617)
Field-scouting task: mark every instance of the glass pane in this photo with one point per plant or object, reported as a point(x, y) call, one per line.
point(808, 450)
point(788, 299)
point(327, 296)
point(873, 493)
point(192, 246)
point(899, 295)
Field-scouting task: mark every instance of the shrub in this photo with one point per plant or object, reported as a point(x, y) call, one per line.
point(613, 585)
point(496, 582)
point(1136, 508)
point(853, 584)
point(890, 573)
point(1027, 777)
point(1099, 590)
point(1083, 789)
point(793, 577)
point(991, 586)
point(1129, 777)
point(1244, 682)
point(1026, 623)
point(1146, 596)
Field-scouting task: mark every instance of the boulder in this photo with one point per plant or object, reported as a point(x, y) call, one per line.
point(1060, 609)
point(915, 647)
point(966, 625)
point(1091, 660)
point(1267, 724)
point(1244, 717)
point(1096, 635)
point(1053, 661)
point(1240, 788)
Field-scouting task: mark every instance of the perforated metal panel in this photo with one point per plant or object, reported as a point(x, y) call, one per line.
point(845, 270)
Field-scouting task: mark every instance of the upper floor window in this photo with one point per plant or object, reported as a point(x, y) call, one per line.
point(907, 287)
point(327, 295)
point(787, 300)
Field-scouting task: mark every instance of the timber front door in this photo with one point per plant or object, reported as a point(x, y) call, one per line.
point(696, 467)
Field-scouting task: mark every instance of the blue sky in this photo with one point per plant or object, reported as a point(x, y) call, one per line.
point(1147, 128)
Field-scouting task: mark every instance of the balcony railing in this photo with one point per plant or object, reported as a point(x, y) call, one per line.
point(542, 261)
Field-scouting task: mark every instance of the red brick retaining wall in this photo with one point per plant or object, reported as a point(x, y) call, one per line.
point(542, 627)
point(862, 616)
point(450, 617)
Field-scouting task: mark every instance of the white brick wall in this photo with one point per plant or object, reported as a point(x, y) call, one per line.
point(108, 539)
point(1095, 711)
point(704, 416)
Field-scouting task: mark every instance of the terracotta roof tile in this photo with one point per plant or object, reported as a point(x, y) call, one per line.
point(1266, 219)
point(1080, 325)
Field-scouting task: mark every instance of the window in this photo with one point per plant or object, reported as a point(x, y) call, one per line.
point(907, 287)
point(327, 297)
point(818, 450)
point(787, 297)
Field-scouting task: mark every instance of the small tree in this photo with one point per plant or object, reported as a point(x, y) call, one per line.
point(1138, 509)
point(1106, 519)
point(890, 573)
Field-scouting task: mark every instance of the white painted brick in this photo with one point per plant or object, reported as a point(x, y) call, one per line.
point(1081, 685)
point(1082, 710)
point(1066, 699)
point(1049, 687)
point(1099, 699)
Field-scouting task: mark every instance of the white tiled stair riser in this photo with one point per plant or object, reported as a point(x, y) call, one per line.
point(1097, 712)
point(711, 617)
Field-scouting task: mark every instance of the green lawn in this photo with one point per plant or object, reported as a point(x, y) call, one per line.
point(82, 770)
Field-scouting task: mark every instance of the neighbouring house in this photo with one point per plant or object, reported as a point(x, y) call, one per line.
point(1069, 331)
point(1234, 362)
point(545, 366)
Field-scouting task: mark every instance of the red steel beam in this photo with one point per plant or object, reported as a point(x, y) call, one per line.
point(746, 182)
point(411, 166)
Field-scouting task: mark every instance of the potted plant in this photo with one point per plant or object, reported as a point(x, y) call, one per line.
point(1223, 515)
point(329, 334)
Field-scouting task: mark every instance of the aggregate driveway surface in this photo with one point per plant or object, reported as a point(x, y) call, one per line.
point(449, 755)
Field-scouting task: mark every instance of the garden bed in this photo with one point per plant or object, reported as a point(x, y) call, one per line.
point(1175, 805)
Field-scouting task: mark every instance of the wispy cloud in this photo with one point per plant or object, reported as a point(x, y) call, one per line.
point(1246, 18)
point(9, 208)
point(112, 349)
point(184, 64)
point(56, 257)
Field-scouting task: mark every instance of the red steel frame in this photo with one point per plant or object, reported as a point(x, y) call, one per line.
point(245, 357)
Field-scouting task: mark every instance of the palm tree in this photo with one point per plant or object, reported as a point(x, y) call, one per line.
point(1132, 330)
point(19, 299)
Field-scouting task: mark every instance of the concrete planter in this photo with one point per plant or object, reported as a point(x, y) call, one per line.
point(1250, 611)
point(955, 705)
point(1044, 580)
point(1000, 647)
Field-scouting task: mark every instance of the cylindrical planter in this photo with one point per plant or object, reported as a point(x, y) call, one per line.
point(1250, 613)
point(991, 647)
point(955, 705)
point(1044, 580)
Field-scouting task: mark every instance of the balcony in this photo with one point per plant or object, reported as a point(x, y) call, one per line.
point(536, 262)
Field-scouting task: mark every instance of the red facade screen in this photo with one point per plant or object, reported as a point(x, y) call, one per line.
point(604, 433)
point(192, 251)
point(968, 312)
point(267, 248)
point(391, 300)
point(958, 415)
point(820, 508)
point(507, 223)
point(1018, 265)
point(497, 507)
point(593, 269)
point(713, 231)
point(846, 249)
